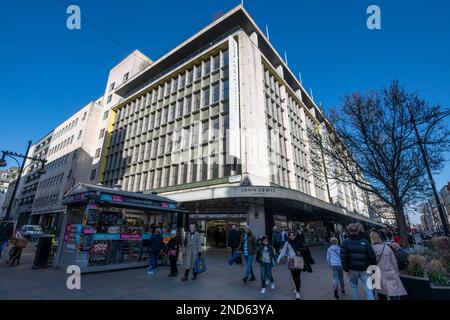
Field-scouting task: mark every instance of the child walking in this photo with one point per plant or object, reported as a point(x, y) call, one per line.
point(334, 262)
point(265, 256)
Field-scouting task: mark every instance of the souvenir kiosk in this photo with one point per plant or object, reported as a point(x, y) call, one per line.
point(108, 229)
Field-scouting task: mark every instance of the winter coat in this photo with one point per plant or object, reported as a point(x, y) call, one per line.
point(6, 231)
point(193, 245)
point(357, 254)
point(155, 243)
point(233, 238)
point(173, 244)
point(251, 245)
point(334, 256)
point(276, 238)
point(259, 253)
point(391, 284)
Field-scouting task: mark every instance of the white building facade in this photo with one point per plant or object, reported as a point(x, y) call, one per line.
point(219, 123)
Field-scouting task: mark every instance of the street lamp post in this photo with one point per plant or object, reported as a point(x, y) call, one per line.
point(17, 182)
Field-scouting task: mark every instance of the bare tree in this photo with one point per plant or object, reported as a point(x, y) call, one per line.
point(371, 142)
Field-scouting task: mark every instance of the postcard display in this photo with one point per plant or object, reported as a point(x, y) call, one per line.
point(112, 236)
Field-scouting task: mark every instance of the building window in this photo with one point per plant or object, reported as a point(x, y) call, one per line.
point(207, 67)
point(198, 72)
point(105, 115)
point(174, 180)
point(215, 93)
point(204, 169)
point(93, 174)
point(97, 153)
point(125, 77)
point(205, 131)
point(80, 134)
point(215, 128)
point(197, 101)
point(225, 58)
point(188, 105)
point(216, 62)
point(189, 77)
point(206, 97)
point(84, 116)
point(111, 86)
point(109, 99)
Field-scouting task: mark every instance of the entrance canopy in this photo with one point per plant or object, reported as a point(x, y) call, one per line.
point(276, 198)
point(84, 193)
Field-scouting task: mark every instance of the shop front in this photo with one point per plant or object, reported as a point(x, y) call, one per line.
point(107, 229)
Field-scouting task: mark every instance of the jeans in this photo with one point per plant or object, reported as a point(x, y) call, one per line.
point(266, 273)
point(363, 276)
point(338, 277)
point(153, 260)
point(3, 245)
point(249, 271)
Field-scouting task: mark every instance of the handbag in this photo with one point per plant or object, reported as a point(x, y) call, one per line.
point(172, 252)
point(296, 263)
point(199, 265)
point(234, 258)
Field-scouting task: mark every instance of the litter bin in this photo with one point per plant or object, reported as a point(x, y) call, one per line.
point(42, 251)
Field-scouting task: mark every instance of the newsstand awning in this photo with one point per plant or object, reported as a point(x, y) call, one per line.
point(84, 193)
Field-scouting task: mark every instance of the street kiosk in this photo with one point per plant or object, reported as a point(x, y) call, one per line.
point(107, 229)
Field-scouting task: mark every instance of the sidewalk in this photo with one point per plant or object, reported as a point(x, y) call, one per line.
point(220, 282)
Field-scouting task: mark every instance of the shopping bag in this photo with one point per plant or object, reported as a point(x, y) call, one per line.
point(234, 258)
point(199, 265)
point(296, 263)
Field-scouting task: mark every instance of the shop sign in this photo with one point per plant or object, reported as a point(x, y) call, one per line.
point(234, 179)
point(130, 236)
point(74, 199)
point(88, 230)
point(106, 236)
point(234, 103)
point(128, 200)
point(261, 191)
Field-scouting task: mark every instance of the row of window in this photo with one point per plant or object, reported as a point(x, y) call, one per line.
point(46, 200)
point(193, 171)
point(50, 182)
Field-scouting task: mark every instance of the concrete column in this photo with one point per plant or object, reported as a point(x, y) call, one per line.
point(256, 219)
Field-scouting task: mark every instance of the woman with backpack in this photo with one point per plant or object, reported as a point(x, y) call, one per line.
point(391, 285)
point(265, 256)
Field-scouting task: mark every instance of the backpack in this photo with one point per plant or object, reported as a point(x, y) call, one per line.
point(402, 259)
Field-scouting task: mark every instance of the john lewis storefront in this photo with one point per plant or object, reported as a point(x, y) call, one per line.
point(262, 208)
point(107, 229)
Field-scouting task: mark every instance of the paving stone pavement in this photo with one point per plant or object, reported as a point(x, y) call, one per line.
point(220, 282)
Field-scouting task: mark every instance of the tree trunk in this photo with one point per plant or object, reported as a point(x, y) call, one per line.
point(401, 224)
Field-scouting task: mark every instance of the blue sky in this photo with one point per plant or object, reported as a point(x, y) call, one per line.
point(49, 72)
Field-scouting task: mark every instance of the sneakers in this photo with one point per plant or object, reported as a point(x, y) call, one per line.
point(245, 280)
point(343, 292)
point(298, 296)
point(150, 271)
point(272, 286)
point(263, 291)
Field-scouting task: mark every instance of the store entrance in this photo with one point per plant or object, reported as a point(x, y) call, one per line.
point(215, 231)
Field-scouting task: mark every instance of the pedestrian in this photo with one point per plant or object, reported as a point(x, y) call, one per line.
point(233, 242)
point(155, 245)
point(334, 262)
point(292, 248)
point(397, 239)
point(276, 239)
point(356, 256)
point(301, 236)
point(391, 285)
point(411, 240)
point(173, 250)
point(192, 250)
point(265, 256)
point(248, 248)
point(400, 255)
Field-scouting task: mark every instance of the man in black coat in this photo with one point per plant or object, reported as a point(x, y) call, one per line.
point(154, 249)
point(356, 256)
point(234, 240)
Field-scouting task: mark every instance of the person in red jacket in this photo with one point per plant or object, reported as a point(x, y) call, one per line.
point(397, 239)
